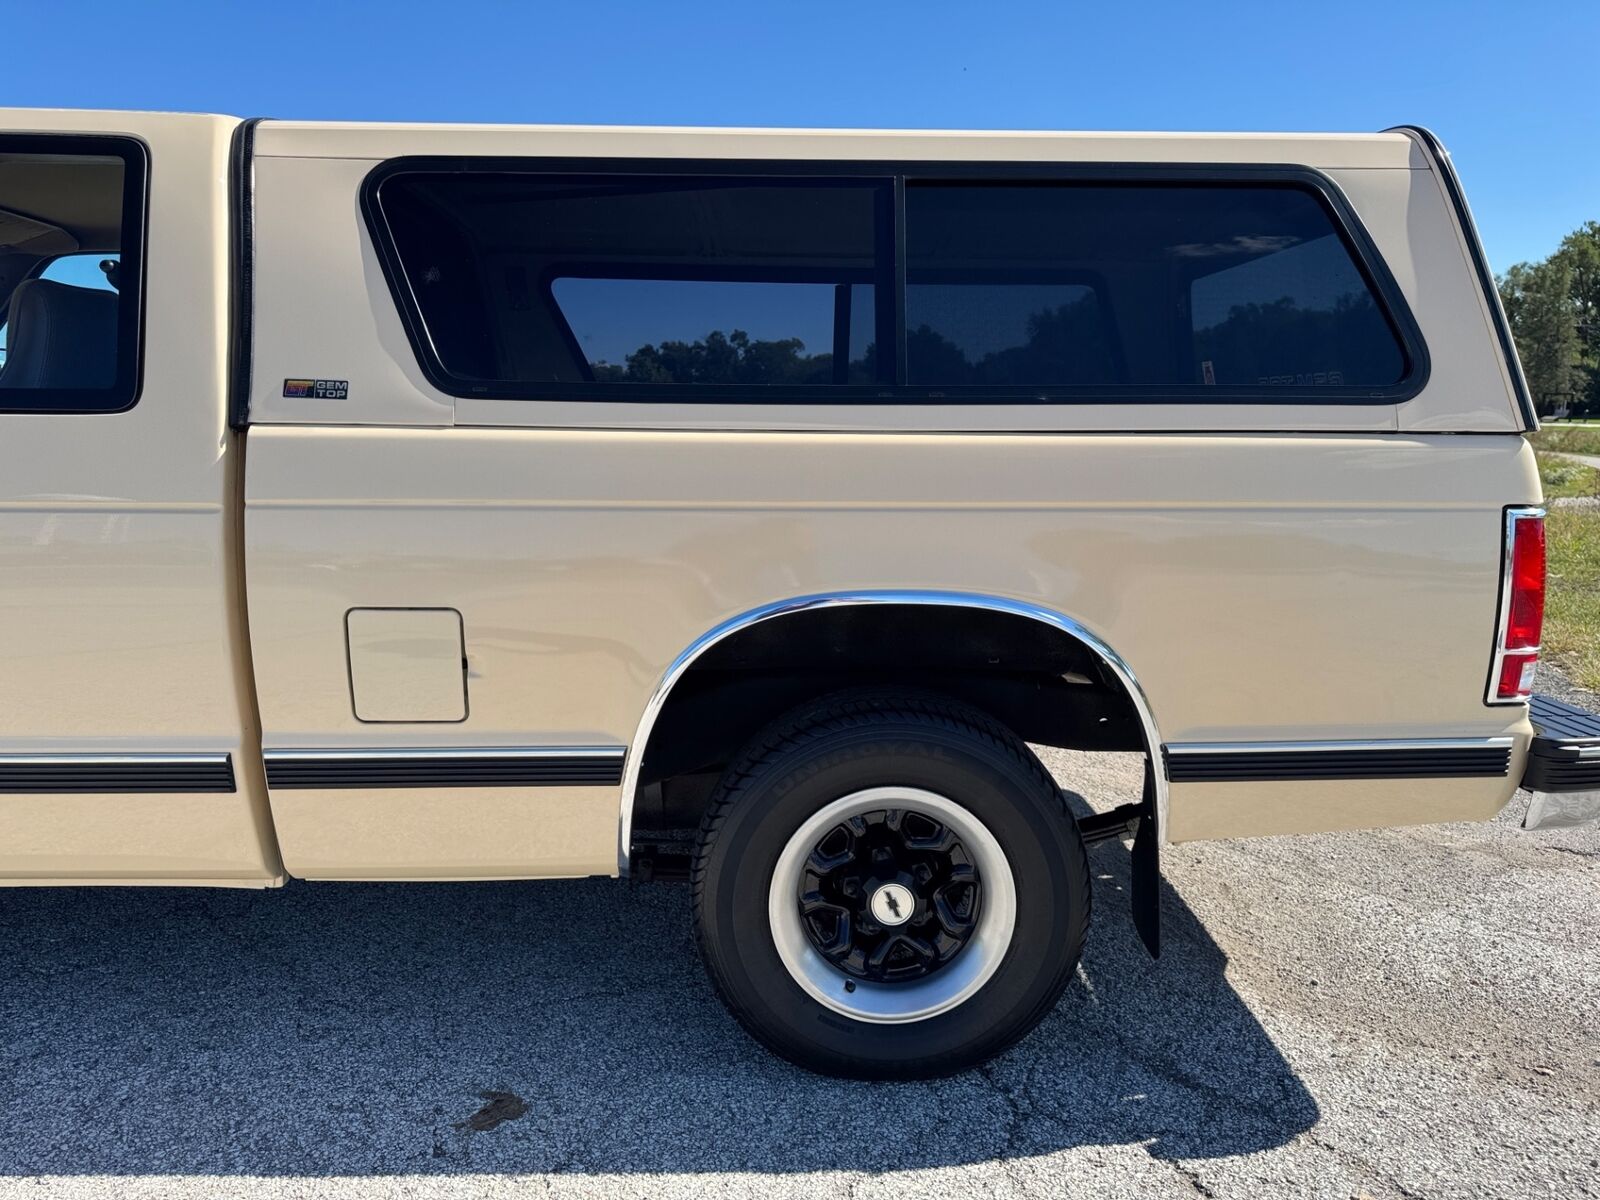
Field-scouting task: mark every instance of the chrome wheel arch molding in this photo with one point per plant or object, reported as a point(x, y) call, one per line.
point(1021, 608)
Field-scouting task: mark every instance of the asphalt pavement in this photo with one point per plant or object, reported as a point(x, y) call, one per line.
point(1405, 1013)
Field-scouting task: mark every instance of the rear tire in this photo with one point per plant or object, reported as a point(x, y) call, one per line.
point(888, 886)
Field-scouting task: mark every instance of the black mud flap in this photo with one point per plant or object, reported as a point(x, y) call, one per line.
point(1139, 822)
point(1146, 873)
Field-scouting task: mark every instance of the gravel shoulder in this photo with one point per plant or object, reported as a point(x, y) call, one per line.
point(1400, 1013)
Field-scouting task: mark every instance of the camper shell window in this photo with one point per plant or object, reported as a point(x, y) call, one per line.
point(945, 283)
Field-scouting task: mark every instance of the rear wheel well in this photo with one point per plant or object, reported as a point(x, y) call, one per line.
point(1046, 685)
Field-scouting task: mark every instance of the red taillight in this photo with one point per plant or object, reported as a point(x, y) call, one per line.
point(1521, 608)
point(1527, 583)
point(1516, 676)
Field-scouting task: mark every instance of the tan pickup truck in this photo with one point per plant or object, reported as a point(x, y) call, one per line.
point(448, 502)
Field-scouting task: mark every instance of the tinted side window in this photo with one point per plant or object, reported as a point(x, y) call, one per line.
point(717, 331)
point(975, 332)
point(904, 283)
point(635, 280)
point(71, 220)
point(994, 295)
point(1300, 314)
point(1161, 285)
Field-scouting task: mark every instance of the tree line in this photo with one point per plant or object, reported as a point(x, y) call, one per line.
point(1554, 310)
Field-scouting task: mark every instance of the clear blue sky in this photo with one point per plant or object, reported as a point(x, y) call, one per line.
point(1513, 87)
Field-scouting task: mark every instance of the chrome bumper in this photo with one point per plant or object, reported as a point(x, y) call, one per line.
point(1563, 769)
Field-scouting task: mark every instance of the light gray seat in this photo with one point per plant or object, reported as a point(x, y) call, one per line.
point(60, 336)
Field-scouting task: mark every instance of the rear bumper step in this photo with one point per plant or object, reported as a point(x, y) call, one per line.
point(1563, 769)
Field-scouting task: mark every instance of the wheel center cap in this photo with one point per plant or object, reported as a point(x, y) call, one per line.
point(892, 904)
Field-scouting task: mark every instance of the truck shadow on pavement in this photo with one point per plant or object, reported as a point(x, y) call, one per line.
point(372, 1029)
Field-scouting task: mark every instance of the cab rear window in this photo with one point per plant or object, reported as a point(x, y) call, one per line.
point(71, 232)
point(887, 286)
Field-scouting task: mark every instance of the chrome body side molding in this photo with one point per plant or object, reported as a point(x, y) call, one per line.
point(1398, 758)
point(95, 774)
point(446, 767)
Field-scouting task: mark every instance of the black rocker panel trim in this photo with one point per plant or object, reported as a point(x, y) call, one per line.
point(444, 771)
point(1290, 765)
point(21, 774)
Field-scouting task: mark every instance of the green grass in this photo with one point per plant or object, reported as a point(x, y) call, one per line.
point(1564, 477)
point(1573, 439)
point(1572, 603)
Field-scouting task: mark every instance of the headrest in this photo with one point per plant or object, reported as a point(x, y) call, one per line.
point(60, 336)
